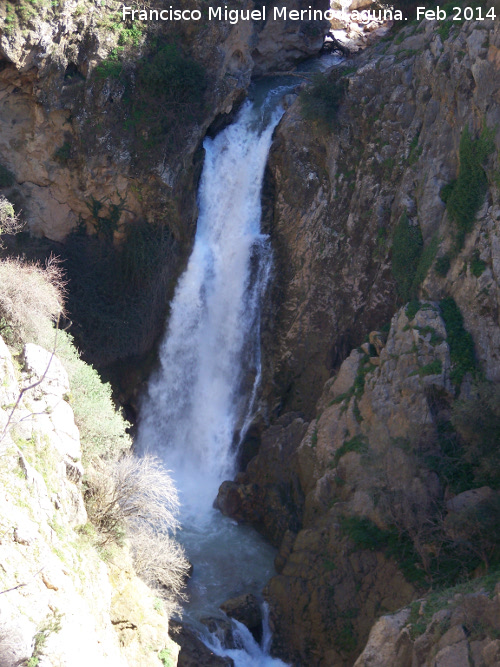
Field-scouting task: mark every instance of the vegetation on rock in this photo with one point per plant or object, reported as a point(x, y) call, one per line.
point(407, 246)
point(164, 91)
point(321, 100)
point(464, 196)
point(126, 496)
point(459, 340)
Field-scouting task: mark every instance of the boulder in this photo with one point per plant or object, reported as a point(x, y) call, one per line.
point(246, 610)
point(193, 651)
point(468, 499)
point(43, 365)
point(222, 629)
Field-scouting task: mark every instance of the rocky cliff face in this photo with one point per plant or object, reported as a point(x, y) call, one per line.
point(350, 481)
point(457, 627)
point(337, 203)
point(102, 129)
point(60, 603)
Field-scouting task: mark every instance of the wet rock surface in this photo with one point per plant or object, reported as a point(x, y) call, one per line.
point(246, 610)
point(193, 652)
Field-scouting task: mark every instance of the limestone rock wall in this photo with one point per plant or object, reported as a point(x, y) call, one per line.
point(51, 98)
point(373, 419)
point(337, 202)
point(460, 626)
point(60, 602)
point(373, 415)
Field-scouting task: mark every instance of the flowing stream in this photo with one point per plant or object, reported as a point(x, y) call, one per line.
point(204, 390)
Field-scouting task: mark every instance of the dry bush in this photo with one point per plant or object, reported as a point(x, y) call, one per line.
point(135, 498)
point(160, 561)
point(31, 299)
point(121, 493)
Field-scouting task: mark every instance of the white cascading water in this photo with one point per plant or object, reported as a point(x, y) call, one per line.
point(204, 390)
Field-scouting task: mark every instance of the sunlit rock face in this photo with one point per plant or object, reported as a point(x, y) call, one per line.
point(54, 582)
point(283, 43)
point(338, 194)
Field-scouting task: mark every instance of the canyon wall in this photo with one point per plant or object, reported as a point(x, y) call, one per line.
point(63, 602)
point(381, 344)
point(337, 203)
point(101, 143)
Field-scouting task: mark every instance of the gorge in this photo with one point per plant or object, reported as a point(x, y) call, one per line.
point(347, 348)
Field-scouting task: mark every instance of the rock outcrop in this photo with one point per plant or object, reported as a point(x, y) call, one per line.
point(60, 603)
point(455, 627)
point(338, 201)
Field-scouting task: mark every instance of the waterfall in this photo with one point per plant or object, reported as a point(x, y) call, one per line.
point(205, 387)
point(197, 400)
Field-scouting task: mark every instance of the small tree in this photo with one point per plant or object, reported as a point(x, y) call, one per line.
point(135, 498)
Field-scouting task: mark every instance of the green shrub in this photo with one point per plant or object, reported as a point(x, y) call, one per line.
point(63, 153)
point(477, 266)
point(364, 533)
point(425, 262)
point(393, 543)
point(412, 309)
point(167, 659)
point(442, 265)
point(9, 221)
point(435, 338)
point(321, 100)
point(170, 77)
point(356, 444)
point(444, 28)
point(433, 368)
point(167, 92)
point(164, 92)
point(364, 368)
point(346, 639)
point(459, 341)
point(103, 430)
point(464, 196)
point(112, 66)
point(407, 246)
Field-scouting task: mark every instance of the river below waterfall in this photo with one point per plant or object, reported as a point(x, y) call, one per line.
point(204, 391)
